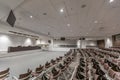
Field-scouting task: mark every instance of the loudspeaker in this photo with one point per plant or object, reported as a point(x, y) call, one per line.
point(81, 38)
point(49, 41)
point(62, 38)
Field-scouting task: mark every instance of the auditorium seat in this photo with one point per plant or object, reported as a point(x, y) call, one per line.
point(62, 67)
point(25, 76)
point(111, 73)
point(4, 74)
point(38, 70)
point(47, 65)
point(53, 62)
point(45, 77)
point(106, 67)
point(55, 73)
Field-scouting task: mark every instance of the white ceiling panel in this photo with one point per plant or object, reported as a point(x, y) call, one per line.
point(85, 17)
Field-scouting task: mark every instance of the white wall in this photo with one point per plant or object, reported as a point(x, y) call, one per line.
point(108, 42)
point(7, 40)
point(55, 45)
point(84, 43)
point(72, 42)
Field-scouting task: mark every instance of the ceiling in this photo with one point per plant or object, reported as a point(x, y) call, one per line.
point(77, 17)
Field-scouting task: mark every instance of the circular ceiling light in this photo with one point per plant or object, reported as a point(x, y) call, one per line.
point(96, 21)
point(62, 10)
point(68, 25)
point(31, 16)
point(111, 1)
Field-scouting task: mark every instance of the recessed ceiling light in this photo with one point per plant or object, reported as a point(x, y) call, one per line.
point(111, 1)
point(62, 10)
point(83, 6)
point(96, 21)
point(31, 16)
point(68, 25)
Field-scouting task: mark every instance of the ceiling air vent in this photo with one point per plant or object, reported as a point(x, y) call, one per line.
point(83, 6)
point(44, 13)
point(101, 28)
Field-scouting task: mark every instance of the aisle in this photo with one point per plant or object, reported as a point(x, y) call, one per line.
point(20, 64)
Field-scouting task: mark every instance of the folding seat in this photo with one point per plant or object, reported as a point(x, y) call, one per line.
point(102, 61)
point(79, 76)
point(58, 60)
point(66, 63)
point(47, 65)
point(53, 62)
point(68, 60)
point(94, 70)
point(101, 78)
point(117, 78)
point(55, 73)
point(111, 64)
point(111, 73)
point(62, 67)
point(119, 63)
point(106, 67)
point(114, 60)
point(60, 57)
point(45, 77)
point(96, 66)
point(80, 69)
point(100, 72)
point(25, 76)
point(39, 69)
point(4, 74)
point(95, 77)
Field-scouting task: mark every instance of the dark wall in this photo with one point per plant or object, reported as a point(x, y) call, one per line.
point(116, 40)
point(101, 43)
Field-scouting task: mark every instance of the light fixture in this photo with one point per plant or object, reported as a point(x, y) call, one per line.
point(111, 1)
point(96, 21)
point(31, 16)
point(68, 25)
point(62, 10)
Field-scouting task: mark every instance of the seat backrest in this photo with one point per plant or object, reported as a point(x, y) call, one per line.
point(95, 77)
point(117, 78)
point(25, 76)
point(106, 67)
point(111, 73)
point(39, 69)
point(119, 63)
point(4, 73)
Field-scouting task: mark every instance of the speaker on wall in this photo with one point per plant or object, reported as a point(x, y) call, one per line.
point(62, 38)
point(81, 38)
point(49, 41)
point(11, 18)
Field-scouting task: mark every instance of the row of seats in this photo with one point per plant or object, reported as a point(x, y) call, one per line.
point(40, 71)
point(94, 64)
point(80, 74)
point(4, 74)
point(112, 69)
point(56, 72)
point(112, 49)
point(22, 48)
point(42, 68)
